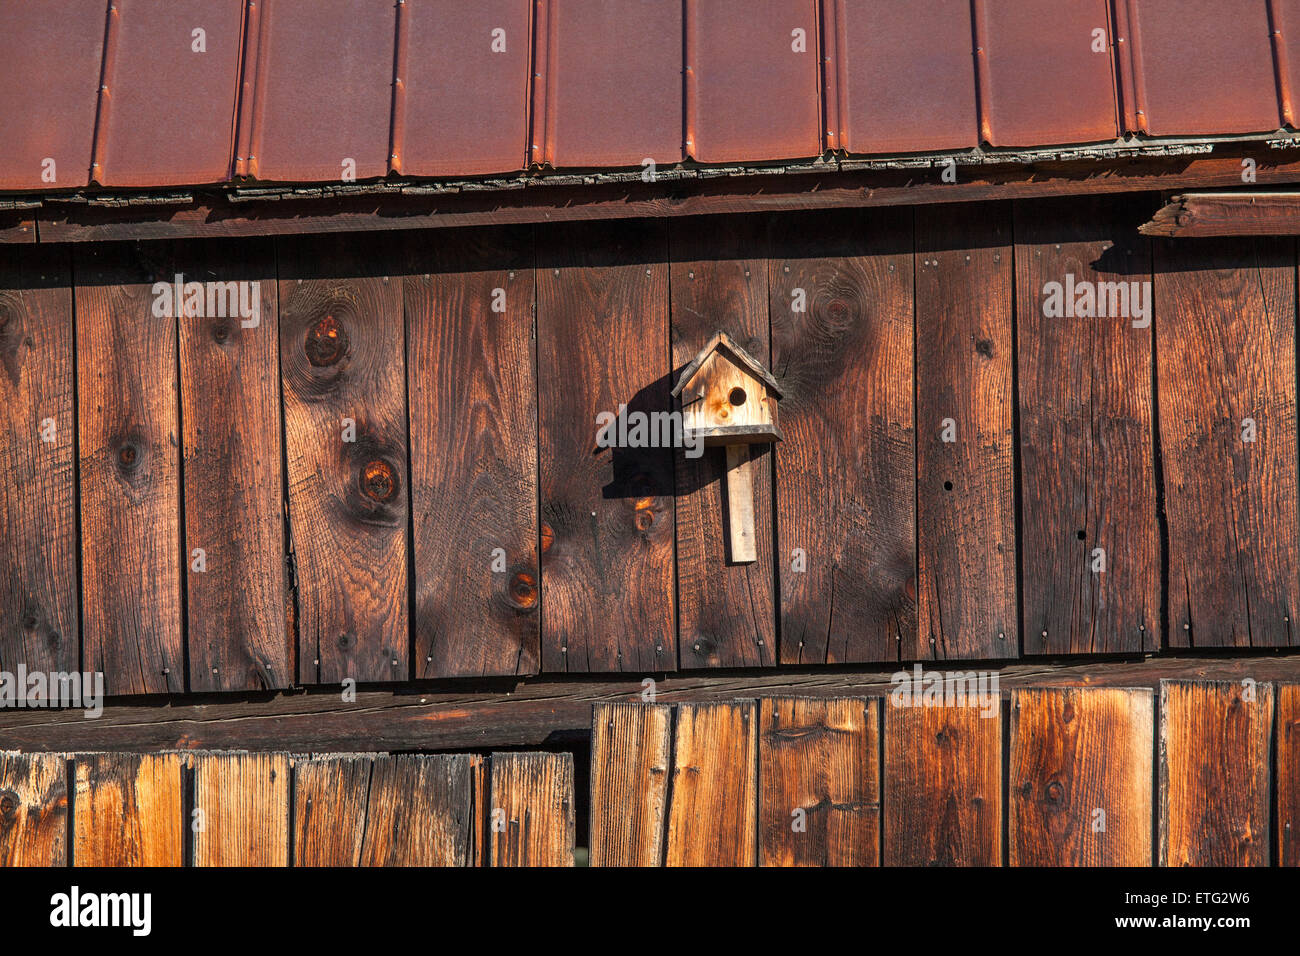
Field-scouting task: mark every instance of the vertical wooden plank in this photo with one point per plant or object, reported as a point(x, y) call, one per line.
point(342, 359)
point(1214, 773)
point(607, 513)
point(1081, 776)
point(473, 414)
point(842, 317)
point(329, 809)
point(819, 778)
point(727, 612)
point(1225, 353)
point(943, 786)
point(1288, 774)
point(128, 810)
point(713, 807)
point(129, 444)
point(532, 820)
point(38, 566)
point(244, 799)
point(630, 754)
point(238, 635)
point(1086, 445)
point(382, 811)
point(33, 810)
point(965, 487)
point(478, 779)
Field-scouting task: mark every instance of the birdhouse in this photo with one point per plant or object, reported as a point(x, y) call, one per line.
point(729, 399)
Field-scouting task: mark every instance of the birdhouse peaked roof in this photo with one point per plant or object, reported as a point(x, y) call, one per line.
point(721, 342)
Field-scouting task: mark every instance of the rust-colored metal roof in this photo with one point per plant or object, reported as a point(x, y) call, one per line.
point(116, 93)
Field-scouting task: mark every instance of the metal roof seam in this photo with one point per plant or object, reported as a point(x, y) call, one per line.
point(104, 102)
point(690, 77)
point(397, 112)
point(1281, 69)
point(233, 157)
point(979, 34)
point(540, 142)
point(831, 124)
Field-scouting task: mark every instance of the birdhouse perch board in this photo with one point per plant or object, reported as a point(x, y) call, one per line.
point(727, 398)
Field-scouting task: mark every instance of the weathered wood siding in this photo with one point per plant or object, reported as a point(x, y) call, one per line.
point(395, 473)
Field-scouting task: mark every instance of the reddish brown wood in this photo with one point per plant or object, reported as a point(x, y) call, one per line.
point(473, 428)
point(341, 338)
point(237, 633)
point(130, 470)
point(1225, 346)
point(607, 513)
point(39, 599)
point(727, 613)
point(1214, 773)
point(943, 786)
point(1090, 550)
point(1081, 778)
point(842, 313)
point(966, 538)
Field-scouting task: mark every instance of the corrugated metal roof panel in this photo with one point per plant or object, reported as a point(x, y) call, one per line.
point(752, 80)
point(464, 87)
point(49, 82)
point(1046, 75)
point(1203, 66)
point(623, 105)
point(323, 96)
point(901, 75)
point(169, 108)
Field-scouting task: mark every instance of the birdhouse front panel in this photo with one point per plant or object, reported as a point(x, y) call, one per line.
point(724, 395)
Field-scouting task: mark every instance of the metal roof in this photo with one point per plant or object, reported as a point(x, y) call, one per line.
point(159, 93)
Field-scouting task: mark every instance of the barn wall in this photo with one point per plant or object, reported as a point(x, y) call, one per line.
point(394, 474)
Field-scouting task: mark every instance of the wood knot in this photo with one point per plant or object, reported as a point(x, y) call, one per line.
point(1055, 792)
point(129, 454)
point(548, 537)
point(378, 480)
point(327, 342)
point(644, 514)
point(345, 641)
point(221, 333)
point(523, 590)
point(8, 804)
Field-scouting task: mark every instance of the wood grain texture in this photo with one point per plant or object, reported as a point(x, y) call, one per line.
point(1230, 504)
point(245, 804)
point(631, 750)
point(842, 317)
point(1075, 752)
point(473, 418)
point(1288, 774)
point(1086, 442)
point(965, 488)
point(820, 757)
point(713, 803)
point(342, 357)
point(943, 786)
point(130, 470)
point(382, 811)
point(607, 513)
point(39, 599)
point(1214, 773)
point(531, 820)
point(726, 610)
point(237, 633)
point(128, 810)
point(33, 809)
